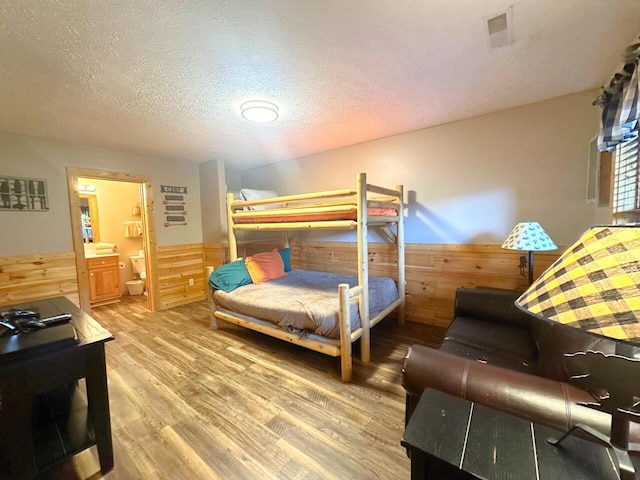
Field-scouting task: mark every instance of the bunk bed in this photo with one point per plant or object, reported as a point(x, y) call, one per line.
point(366, 206)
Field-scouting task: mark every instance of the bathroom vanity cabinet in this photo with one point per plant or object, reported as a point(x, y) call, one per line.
point(104, 279)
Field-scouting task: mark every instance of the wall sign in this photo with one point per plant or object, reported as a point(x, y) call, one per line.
point(172, 189)
point(23, 194)
point(175, 206)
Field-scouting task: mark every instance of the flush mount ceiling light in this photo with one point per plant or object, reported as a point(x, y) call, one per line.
point(259, 111)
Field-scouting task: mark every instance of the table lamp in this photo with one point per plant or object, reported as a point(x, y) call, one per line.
point(531, 237)
point(595, 286)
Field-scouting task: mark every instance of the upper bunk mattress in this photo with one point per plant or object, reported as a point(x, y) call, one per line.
point(305, 300)
point(296, 215)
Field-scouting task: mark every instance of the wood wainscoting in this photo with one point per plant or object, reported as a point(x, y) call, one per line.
point(177, 264)
point(32, 277)
point(433, 271)
point(215, 254)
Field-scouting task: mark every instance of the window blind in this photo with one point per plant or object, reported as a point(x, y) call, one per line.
point(626, 198)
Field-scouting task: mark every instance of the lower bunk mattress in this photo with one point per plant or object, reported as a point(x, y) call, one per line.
point(305, 301)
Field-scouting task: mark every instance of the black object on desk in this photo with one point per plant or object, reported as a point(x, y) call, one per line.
point(449, 437)
point(43, 418)
point(15, 321)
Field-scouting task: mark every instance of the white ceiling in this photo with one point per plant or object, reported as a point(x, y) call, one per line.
point(166, 78)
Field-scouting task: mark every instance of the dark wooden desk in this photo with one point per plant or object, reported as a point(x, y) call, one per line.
point(449, 437)
point(44, 418)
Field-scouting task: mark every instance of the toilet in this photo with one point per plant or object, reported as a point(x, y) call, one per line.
point(137, 287)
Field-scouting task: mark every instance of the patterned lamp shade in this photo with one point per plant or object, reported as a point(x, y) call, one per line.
point(594, 285)
point(529, 236)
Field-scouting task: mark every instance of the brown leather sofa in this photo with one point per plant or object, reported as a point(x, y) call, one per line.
point(501, 357)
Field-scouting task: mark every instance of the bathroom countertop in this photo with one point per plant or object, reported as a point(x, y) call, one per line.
point(94, 255)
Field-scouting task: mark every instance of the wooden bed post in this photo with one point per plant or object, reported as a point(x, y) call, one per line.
point(340, 217)
point(400, 251)
point(363, 267)
point(212, 319)
point(346, 363)
point(233, 243)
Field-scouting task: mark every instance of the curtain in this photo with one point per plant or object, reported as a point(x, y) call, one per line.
point(620, 103)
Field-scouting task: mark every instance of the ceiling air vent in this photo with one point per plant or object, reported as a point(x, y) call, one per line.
point(499, 30)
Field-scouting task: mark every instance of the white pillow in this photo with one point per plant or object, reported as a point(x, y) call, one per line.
point(249, 194)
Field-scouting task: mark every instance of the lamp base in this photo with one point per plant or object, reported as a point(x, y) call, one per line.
point(621, 456)
point(609, 374)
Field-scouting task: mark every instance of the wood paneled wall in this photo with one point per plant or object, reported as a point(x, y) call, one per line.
point(214, 254)
point(176, 265)
point(30, 277)
point(433, 271)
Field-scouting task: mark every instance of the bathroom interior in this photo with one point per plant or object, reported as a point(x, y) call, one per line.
point(112, 230)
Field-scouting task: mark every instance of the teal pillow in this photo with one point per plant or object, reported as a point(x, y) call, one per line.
point(285, 253)
point(230, 276)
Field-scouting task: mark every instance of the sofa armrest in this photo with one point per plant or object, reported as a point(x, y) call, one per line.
point(490, 304)
point(541, 400)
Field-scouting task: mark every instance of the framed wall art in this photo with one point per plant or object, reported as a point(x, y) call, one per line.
point(23, 194)
point(175, 205)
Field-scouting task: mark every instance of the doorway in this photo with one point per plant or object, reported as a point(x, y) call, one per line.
point(80, 233)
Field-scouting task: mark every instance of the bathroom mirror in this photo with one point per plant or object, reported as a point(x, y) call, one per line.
point(89, 218)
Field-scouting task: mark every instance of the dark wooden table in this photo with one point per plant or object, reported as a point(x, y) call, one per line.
point(449, 437)
point(44, 417)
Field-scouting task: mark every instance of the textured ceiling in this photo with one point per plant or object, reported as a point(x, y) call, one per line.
point(166, 78)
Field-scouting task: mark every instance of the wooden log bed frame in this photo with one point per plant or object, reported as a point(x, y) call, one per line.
point(347, 209)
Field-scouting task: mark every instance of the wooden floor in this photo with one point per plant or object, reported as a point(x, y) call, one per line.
point(188, 402)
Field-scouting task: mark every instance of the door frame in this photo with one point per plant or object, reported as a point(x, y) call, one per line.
point(149, 232)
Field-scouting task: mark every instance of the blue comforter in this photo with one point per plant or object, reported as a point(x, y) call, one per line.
point(305, 301)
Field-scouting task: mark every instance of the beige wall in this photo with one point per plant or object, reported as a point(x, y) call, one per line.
point(234, 180)
point(46, 232)
point(469, 181)
point(212, 193)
